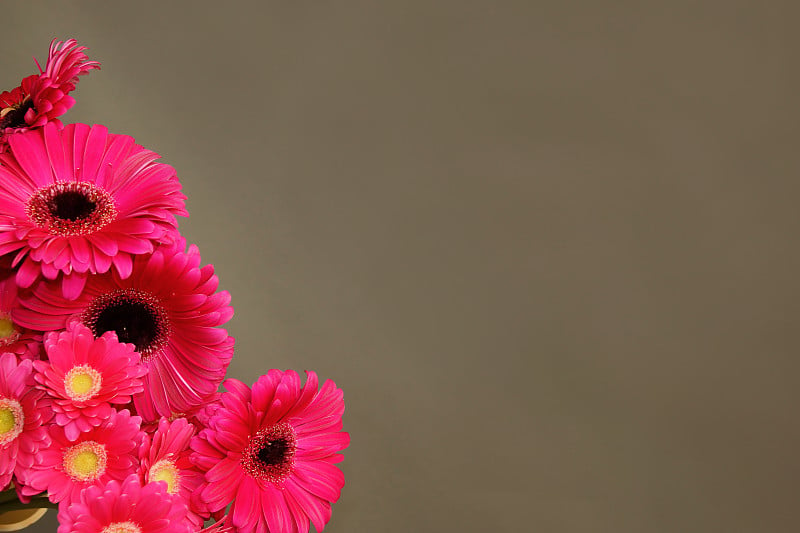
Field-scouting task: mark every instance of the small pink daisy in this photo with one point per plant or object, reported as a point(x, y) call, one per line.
point(13, 338)
point(125, 507)
point(84, 376)
point(270, 453)
point(81, 201)
point(168, 308)
point(65, 467)
point(165, 457)
point(42, 97)
point(22, 418)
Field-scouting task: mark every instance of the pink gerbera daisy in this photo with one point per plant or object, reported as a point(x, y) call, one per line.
point(125, 507)
point(167, 308)
point(82, 200)
point(14, 338)
point(65, 467)
point(270, 453)
point(42, 97)
point(165, 457)
point(22, 418)
point(84, 376)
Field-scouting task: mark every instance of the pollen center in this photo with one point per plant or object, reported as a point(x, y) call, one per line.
point(71, 208)
point(82, 383)
point(165, 470)
point(85, 461)
point(8, 332)
point(270, 453)
point(122, 527)
point(12, 420)
point(137, 317)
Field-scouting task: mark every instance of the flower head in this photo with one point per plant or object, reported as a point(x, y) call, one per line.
point(270, 452)
point(125, 507)
point(167, 308)
point(22, 418)
point(40, 98)
point(82, 201)
point(14, 338)
point(66, 467)
point(84, 376)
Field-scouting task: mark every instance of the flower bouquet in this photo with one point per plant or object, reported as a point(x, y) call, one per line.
point(113, 347)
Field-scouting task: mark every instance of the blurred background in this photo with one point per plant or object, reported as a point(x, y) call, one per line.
point(548, 249)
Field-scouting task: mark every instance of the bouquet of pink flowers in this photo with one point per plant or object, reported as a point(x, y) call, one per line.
point(113, 347)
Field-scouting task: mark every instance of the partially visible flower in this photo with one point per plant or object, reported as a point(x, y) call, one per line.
point(80, 201)
point(22, 418)
point(168, 308)
point(270, 452)
point(125, 507)
point(65, 467)
point(42, 97)
point(165, 457)
point(84, 376)
point(14, 338)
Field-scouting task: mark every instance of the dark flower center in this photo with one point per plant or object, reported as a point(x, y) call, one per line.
point(137, 317)
point(270, 453)
point(71, 208)
point(14, 116)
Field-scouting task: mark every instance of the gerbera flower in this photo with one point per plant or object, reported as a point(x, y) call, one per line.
point(80, 201)
point(83, 376)
point(65, 467)
point(165, 457)
point(42, 97)
point(13, 337)
point(125, 507)
point(167, 308)
point(22, 418)
point(270, 452)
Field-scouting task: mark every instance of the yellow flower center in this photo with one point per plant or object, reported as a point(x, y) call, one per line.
point(12, 420)
point(8, 332)
point(122, 527)
point(165, 470)
point(82, 383)
point(85, 461)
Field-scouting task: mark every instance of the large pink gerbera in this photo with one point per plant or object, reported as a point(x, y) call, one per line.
point(84, 376)
point(80, 201)
point(65, 467)
point(42, 97)
point(14, 338)
point(167, 308)
point(125, 507)
point(270, 453)
point(165, 457)
point(22, 418)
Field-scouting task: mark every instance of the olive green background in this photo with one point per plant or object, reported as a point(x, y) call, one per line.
point(548, 249)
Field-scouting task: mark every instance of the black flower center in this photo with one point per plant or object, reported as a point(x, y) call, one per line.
point(70, 208)
point(270, 453)
point(14, 116)
point(71, 205)
point(135, 316)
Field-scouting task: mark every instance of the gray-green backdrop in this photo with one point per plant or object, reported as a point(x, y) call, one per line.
point(548, 249)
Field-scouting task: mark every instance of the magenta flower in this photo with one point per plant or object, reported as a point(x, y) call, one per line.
point(65, 467)
point(81, 201)
point(22, 418)
point(167, 308)
point(42, 97)
point(84, 376)
point(270, 453)
point(14, 338)
point(125, 507)
point(165, 457)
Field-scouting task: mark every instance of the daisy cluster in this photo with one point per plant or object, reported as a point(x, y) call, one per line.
point(113, 346)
